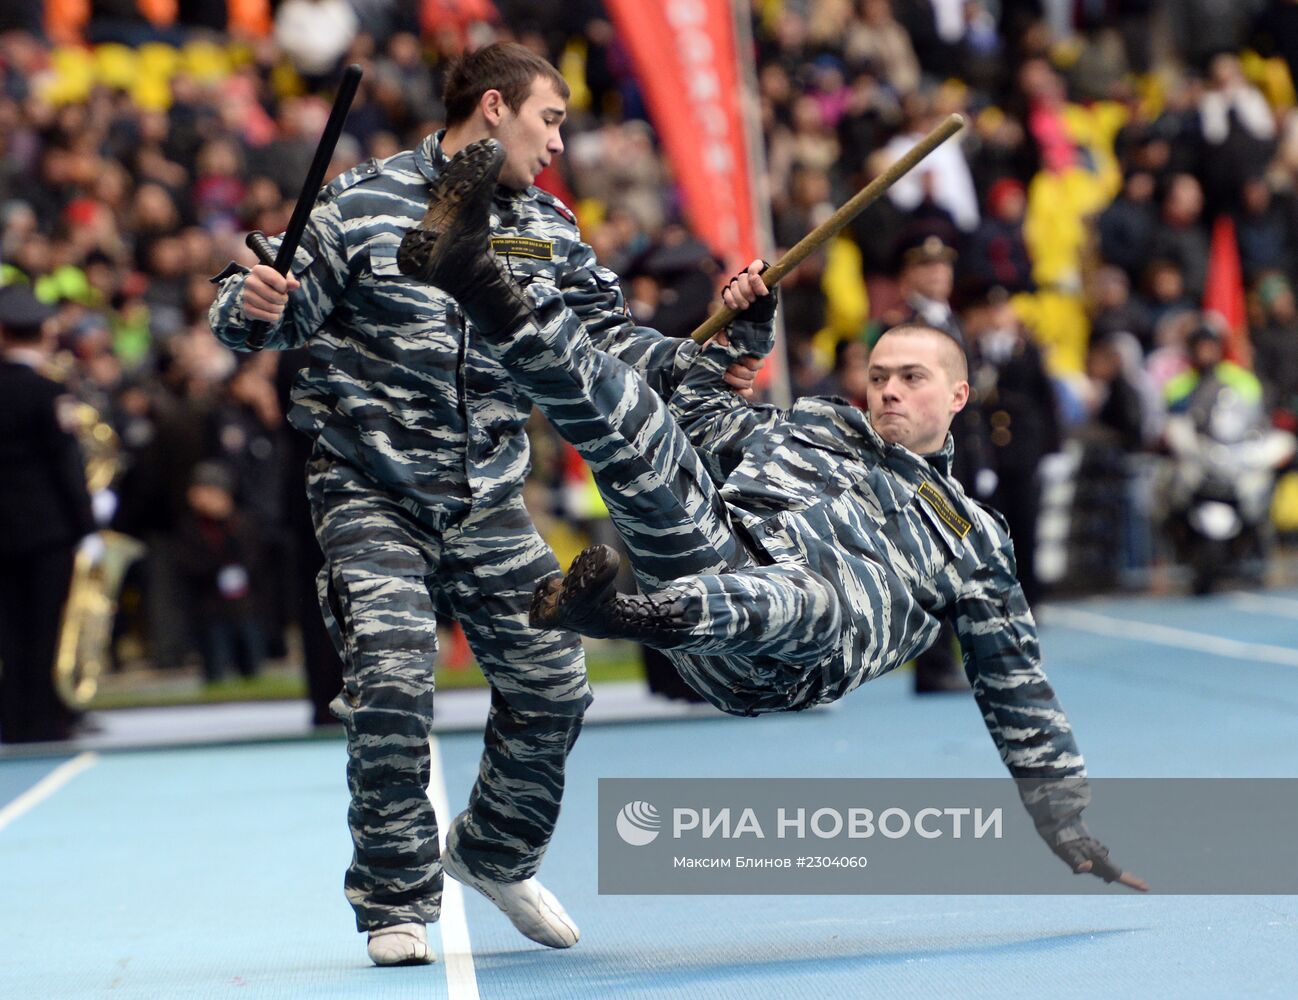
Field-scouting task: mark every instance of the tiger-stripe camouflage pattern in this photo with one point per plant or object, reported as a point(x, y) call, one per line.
point(387, 576)
point(875, 540)
point(420, 431)
point(764, 624)
point(397, 385)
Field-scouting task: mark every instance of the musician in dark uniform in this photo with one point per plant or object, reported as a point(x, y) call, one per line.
point(44, 512)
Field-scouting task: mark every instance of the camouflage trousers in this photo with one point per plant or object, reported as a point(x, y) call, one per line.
point(388, 570)
point(749, 638)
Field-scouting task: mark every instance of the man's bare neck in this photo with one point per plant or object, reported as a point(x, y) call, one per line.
point(458, 136)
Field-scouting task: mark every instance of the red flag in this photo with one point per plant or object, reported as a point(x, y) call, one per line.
point(685, 57)
point(1223, 291)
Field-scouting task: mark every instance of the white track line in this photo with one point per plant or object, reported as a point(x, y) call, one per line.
point(1284, 607)
point(46, 787)
point(1166, 635)
point(457, 957)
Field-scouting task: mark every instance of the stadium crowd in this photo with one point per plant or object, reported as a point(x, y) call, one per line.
point(1120, 154)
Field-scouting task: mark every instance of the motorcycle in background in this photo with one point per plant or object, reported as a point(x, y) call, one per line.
point(1225, 460)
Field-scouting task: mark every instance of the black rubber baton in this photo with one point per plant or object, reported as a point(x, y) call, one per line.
point(315, 176)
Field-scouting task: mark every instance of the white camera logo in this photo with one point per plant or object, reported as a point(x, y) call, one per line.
point(638, 823)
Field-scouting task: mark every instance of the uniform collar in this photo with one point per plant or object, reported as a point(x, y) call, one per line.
point(944, 457)
point(429, 157)
point(937, 461)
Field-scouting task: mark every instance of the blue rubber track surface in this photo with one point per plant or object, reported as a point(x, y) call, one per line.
point(217, 872)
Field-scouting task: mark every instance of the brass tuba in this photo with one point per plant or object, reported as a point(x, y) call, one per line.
point(86, 631)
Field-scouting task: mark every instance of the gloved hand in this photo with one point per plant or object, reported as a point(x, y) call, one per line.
point(752, 332)
point(1087, 855)
point(748, 295)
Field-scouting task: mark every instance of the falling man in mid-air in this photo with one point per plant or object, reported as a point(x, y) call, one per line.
point(833, 545)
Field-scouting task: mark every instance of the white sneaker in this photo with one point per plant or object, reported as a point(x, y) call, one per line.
point(529, 905)
point(400, 944)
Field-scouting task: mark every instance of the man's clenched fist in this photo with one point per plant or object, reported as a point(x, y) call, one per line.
point(265, 293)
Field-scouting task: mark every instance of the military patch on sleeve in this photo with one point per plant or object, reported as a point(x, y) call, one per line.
point(523, 246)
point(948, 514)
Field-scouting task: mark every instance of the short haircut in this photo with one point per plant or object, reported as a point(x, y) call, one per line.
point(504, 66)
point(954, 359)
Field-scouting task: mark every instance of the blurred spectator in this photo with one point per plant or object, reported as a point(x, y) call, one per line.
point(869, 114)
point(1044, 90)
point(672, 281)
point(1238, 128)
point(1275, 32)
point(1116, 311)
point(1275, 350)
point(1163, 141)
point(219, 188)
point(1113, 504)
point(154, 489)
point(877, 232)
point(944, 173)
point(1264, 229)
point(850, 376)
point(315, 34)
point(1126, 227)
point(1181, 238)
point(1208, 372)
point(1169, 357)
point(1165, 291)
point(1203, 28)
point(995, 253)
point(800, 293)
point(249, 431)
point(217, 552)
point(1010, 385)
point(877, 40)
point(1117, 411)
point(287, 157)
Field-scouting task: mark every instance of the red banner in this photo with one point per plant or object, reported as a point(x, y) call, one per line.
point(1223, 291)
point(685, 58)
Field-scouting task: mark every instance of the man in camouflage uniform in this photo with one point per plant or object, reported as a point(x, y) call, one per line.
point(415, 486)
point(834, 545)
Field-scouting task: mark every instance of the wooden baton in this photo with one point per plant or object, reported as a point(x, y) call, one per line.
point(848, 211)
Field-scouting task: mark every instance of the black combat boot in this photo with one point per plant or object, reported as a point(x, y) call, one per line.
point(585, 601)
point(451, 246)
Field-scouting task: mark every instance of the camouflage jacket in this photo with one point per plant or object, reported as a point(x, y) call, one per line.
point(397, 386)
point(902, 545)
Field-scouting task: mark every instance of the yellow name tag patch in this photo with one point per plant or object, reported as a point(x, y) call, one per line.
point(523, 246)
point(944, 510)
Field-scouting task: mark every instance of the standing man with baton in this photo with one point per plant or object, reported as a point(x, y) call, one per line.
point(415, 485)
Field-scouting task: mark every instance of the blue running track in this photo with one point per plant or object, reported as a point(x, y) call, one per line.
point(217, 871)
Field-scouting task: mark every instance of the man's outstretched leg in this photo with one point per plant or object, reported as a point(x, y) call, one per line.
point(704, 593)
point(659, 494)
